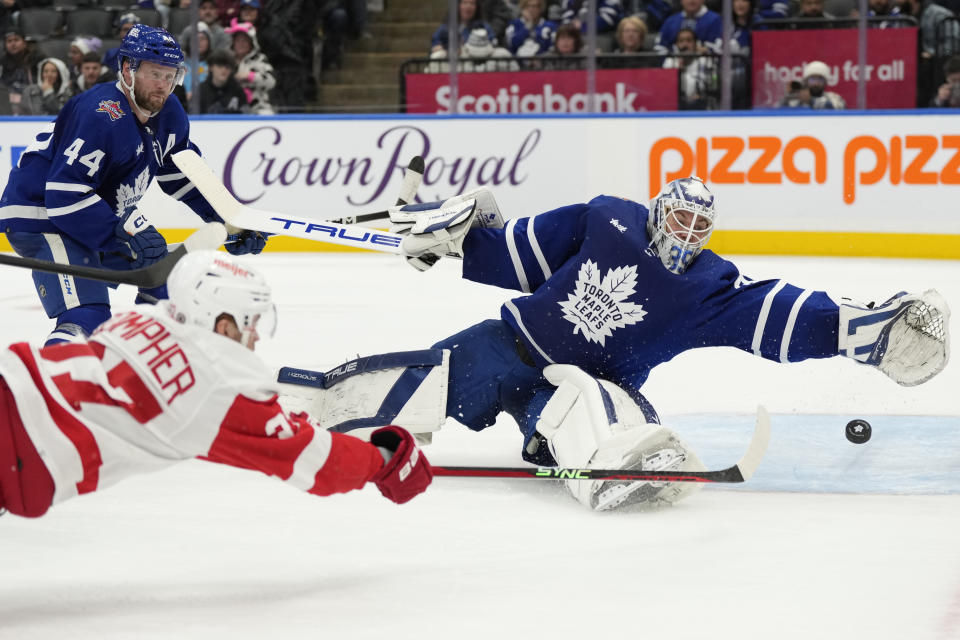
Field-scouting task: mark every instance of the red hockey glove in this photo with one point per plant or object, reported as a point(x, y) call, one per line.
point(408, 472)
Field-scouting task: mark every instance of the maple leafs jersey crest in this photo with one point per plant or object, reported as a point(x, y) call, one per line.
point(599, 306)
point(111, 108)
point(129, 196)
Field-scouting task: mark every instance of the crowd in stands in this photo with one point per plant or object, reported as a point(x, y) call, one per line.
point(258, 56)
point(243, 56)
point(688, 35)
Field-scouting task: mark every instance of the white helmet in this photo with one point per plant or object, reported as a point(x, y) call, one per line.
point(816, 68)
point(679, 239)
point(206, 284)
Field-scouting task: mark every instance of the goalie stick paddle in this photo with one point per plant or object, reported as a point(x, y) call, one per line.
point(740, 472)
point(237, 216)
point(210, 236)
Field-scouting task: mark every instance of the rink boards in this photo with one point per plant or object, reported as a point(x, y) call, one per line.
point(852, 184)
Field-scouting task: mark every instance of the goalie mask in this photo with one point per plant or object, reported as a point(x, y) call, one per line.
point(204, 285)
point(680, 222)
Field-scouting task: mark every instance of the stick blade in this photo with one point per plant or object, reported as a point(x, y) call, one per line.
point(758, 445)
point(208, 237)
point(208, 184)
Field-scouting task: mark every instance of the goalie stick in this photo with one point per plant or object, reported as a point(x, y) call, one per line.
point(237, 216)
point(210, 236)
point(740, 472)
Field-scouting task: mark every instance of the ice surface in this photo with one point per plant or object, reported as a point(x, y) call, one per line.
point(829, 539)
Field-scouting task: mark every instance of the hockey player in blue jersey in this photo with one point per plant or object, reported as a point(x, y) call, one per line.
point(73, 195)
point(611, 290)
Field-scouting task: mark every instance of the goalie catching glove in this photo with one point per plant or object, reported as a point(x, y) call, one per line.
point(437, 229)
point(907, 337)
point(406, 471)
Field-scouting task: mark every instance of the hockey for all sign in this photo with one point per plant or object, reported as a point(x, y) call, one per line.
point(617, 91)
point(891, 69)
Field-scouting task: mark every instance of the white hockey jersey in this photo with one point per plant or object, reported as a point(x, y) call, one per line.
point(146, 392)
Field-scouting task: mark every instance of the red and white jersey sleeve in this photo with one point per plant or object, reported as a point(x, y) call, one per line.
point(145, 392)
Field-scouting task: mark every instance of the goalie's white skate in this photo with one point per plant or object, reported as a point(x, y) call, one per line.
point(667, 455)
point(610, 494)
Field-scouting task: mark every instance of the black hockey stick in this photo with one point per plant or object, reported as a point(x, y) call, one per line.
point(740, 472)
point(209, 236)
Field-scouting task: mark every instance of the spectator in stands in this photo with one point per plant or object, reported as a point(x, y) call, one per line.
point(812, 92)
point(743, 19)
point(567, 51)
point(122, 25)
point(284, 47)
point(209, 14)
point(220, 92)
point(498, 15)
point(652, 12)
point(52, 90)
point(631, 35)
point(17, 66)
point(631, 42)
point(470, 17)
point(883, 8)
point(476, 55)
point(228, 10)
point(706, 25)
point(531, 34)
point(698, 73)
point(92, 72)
point(79, 47)
point(203, 52)
point(812, 16)
point(937, 37)
point(948, 95)
point(341, 19)
point(609, 13)
point(254, 72)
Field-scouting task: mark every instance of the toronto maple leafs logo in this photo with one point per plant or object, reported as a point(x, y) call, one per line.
point(598, 306)
point(696, 191)
point(111, 108)
point(128, 197)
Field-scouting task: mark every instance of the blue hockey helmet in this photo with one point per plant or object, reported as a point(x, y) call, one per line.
point(680, 222)
point(150, 44)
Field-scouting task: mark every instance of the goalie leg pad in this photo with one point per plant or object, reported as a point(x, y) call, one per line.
point(407, 389)
point(595, 424)
point(907, 337)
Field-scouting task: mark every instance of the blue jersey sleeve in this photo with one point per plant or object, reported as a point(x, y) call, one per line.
point(176, 185)
point(526, 251)
point(769, 318)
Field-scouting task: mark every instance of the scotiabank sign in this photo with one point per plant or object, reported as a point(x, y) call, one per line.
point(891, 70)
point(617, 91)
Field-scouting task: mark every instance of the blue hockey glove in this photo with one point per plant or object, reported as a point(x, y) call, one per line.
point(246, 241)
point(142, 249)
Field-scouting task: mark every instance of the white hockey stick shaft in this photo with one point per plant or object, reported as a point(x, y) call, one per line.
point(238, 216)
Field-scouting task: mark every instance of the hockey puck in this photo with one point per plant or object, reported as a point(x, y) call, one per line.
point(858, 431)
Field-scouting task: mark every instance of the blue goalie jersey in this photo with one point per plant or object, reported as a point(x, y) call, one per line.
point(88, 170)
point(600, 298)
